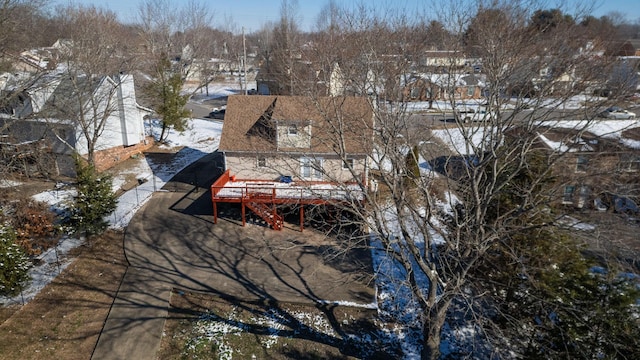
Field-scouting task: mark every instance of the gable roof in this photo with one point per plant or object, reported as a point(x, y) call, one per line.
point(251, 120)
point(65, 102)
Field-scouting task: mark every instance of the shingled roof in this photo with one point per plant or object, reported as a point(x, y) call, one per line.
point(250, 123)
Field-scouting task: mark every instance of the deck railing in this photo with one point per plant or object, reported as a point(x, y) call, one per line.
point(219, 184)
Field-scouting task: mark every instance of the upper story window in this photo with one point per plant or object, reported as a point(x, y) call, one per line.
point(567, 196)
point(471, 90)
point(582, 163)
point(630, 163)
point(262, 161)
point(347, 163)
point(292, 130)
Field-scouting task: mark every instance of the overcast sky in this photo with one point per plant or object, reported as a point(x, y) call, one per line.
point(252, 14)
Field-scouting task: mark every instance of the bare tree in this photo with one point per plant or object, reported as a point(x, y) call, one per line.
point(88, 86)
point(281, 62)
point(439, 227)
point(177, 44)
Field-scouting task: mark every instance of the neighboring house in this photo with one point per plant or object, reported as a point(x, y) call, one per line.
point(629, 47)
point(297, 150)
point(424, 87)
point(36, 60)
point(310, 79)
point(591, 170)
point(51, 109)
point(200, 70)
point(442, 59)
point(590, 167)
point(41, 59)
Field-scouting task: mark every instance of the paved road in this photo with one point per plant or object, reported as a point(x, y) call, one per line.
point(172, 243)
point(201, 110)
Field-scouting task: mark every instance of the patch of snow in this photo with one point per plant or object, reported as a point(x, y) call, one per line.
point(573, 223)
point(4, 183)
point(201, 138)
point(53, 262)
point(58, 198)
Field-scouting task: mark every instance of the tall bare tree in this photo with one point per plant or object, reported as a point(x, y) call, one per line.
point(438, 227)
point(87, 89)
point(177, 43)
point(281, 66)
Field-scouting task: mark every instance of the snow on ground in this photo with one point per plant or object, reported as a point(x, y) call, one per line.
point(201, 137)
point(215, 91)
point(464, 141)
point(5, 183)
point(573, 103)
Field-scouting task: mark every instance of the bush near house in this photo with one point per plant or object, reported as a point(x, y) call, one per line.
point(14, 263)
point(94, 201)
point(33, 221)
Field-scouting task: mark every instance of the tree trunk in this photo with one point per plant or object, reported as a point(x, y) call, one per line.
point(432, 330)
point(163, 133)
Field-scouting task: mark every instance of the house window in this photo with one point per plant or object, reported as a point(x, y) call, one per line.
point(415, 92)
point(583, 195)
point(567, 197)
point(630, 163)
point(347, 164)
point(311, 168)
point(582, 163)
point(292, 130)
point(471, 90)
point(262, 161)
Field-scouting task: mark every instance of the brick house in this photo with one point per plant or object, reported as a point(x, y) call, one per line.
point(590, 167)
point(593, 170)
point(426, 87)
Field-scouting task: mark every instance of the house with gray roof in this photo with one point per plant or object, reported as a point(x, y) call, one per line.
point(67, 110)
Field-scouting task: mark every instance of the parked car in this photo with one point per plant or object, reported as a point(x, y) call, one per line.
point(217, 114)
point(617, 113)
point(479, 114)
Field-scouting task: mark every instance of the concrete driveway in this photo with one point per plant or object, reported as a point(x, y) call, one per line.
point(172, 243)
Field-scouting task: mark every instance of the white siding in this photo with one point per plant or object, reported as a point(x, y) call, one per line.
point(246, 167)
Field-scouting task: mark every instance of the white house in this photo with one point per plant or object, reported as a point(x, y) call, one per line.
point(64, 108)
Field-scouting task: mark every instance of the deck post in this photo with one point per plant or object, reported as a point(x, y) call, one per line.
point(275, 213)
point(215, 212)
point(301, 217)
point(244, 221)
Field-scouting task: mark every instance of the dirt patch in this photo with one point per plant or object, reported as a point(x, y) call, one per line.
point(66, 317)
point(26, 188)
point(201, 326)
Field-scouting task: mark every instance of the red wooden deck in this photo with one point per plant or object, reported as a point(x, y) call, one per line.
point(262, 196)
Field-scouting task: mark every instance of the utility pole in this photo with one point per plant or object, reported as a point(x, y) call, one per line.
point(244, 61)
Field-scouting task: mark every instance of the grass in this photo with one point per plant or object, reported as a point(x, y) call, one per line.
point(66, 317)
point(207, 327)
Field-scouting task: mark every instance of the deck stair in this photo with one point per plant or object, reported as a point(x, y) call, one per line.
point(267, 213)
